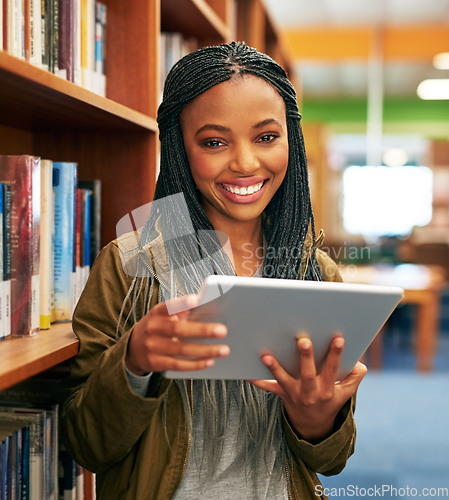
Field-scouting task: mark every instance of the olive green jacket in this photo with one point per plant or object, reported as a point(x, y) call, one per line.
point(117, 434)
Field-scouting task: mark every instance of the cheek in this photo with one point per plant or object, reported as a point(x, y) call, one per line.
point(204, 168)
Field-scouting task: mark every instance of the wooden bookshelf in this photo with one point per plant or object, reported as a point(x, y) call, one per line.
point(113, 139)
point(23, 357)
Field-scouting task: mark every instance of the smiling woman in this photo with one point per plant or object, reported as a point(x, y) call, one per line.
point(232, 161)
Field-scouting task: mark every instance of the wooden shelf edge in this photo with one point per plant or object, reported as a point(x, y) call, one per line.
point(208, 12)
point(21, 358)
point(39, 78)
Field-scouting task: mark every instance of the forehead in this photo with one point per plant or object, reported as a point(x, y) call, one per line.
point(242, 97)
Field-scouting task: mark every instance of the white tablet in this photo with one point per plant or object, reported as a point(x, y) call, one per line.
point(267, 315)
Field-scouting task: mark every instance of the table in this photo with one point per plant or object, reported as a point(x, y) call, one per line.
point(422, 287)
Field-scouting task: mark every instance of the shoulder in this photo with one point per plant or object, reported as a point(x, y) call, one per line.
point(329, 268)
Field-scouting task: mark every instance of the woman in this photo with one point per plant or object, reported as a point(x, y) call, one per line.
point(231, 143)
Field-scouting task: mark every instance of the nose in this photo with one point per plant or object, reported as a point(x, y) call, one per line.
point(244, 160)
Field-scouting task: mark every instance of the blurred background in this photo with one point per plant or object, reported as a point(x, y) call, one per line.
point(377, 141)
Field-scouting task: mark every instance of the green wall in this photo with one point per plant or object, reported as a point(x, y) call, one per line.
point(353, 110)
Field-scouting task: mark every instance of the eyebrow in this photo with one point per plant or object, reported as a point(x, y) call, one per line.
point(268, 121)
point(221, 128)
point(212, 126)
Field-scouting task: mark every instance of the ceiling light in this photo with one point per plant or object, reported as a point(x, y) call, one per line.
point(441, 61)
point(433, 89)
point(395, 157)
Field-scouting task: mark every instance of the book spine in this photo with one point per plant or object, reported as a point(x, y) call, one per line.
point(78, 271)
point(45, 35)
point(2, 274)
point(66, 40)
point(64, 182)
point(7, 255)
point(87, 216)
point(27, 29)
point(36, 33)
point(77, 43)
point(45, 242)
point(23, 173)
point(94, 185)
point(25, 494)
point(67, 476)
point(35, 222)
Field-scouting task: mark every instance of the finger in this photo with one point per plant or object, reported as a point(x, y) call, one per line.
point(269, 386)
point(308, 368)
point(176, 305)
point(355, 377)
point(164, 363)
point(167, 327)
point(329, 373)
point(176, 348)
point(279, 374)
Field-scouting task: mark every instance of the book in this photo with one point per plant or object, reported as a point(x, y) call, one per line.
point(24, 175)
point(38, 395)
point(47, 218)
point(36, 420)
point(45, 34)
point(100, 44)
point(94, 186)
point(2, 293)
point(88, 43)
point(66, 39)
point(65, 185)
point(78, 239)
point(67, 475)
point(7, 256)
point(35, 32)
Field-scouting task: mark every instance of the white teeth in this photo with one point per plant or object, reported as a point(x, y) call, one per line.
point(243, 191)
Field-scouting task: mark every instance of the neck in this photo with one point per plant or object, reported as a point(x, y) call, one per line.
point(246, 244)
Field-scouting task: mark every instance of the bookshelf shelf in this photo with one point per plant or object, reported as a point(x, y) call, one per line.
point(31, 98)
point(21, 358)
point(193, 18)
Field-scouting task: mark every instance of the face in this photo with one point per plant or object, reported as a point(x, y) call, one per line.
point(235, 136)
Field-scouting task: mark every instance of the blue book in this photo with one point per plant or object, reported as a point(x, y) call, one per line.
point(25, 494)
point(86, 235)
point(65, 185)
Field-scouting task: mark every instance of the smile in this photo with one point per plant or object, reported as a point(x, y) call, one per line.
point(243, 191)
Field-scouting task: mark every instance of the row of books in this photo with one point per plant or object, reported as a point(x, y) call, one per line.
point(34, 465)
point(50, 234)
point(65, 37)
point(172, 47)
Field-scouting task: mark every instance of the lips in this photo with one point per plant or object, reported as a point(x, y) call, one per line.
point(244, 189)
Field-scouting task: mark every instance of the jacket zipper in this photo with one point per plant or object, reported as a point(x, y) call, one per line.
point(184, 465)
point(288, 480)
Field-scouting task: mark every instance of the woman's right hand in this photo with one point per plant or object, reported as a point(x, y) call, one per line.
point(160, 341)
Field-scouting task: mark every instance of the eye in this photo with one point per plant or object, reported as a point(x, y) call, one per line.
point(213, 143)
point(267, 138)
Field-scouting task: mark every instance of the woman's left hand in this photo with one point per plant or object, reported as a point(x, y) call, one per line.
point(313, 401)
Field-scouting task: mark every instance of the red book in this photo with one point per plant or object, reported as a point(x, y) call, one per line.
point(23, 173)
point(66, 39)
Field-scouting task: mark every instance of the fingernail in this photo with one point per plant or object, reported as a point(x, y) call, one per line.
point(224, 351)
point(220, 330)
point(339, 342)
point(305, 344)
point(210, 362)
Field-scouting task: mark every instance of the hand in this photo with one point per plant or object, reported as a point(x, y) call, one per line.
point(313, 401)
point(161, 342)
